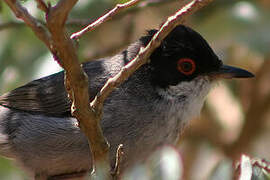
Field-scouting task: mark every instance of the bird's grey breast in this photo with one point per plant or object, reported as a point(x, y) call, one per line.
point(181, 103)
point(146, 121)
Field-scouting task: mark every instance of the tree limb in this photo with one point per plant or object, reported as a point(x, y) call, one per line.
point(77, 86)
point(58, 14)
point(43, 6)
point(85, 22)
point(104, 18)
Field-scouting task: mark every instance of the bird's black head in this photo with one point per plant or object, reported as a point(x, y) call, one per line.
point(182, 56)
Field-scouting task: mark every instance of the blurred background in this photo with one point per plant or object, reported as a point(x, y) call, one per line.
point(236, 116)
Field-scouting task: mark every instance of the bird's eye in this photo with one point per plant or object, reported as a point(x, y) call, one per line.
point(186, 66)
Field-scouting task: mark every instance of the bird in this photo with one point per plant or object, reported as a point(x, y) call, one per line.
point(149, 110)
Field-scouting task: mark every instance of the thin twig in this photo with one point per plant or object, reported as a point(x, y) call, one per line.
point(85, 22)
point(61, 11)
point(104, 18)
point(127, 36)
point(42, 6)
point(143, 5)
point(118, 160)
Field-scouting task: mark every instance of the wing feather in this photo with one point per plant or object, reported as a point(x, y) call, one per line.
point(48, 95)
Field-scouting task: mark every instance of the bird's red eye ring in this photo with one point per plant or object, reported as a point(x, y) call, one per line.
point(186, 66)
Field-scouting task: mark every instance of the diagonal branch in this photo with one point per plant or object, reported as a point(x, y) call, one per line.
point(42, 6)
point(104, 18)
point(85, 22)
point(59, 13)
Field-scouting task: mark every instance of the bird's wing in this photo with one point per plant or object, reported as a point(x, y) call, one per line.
point(48, 95)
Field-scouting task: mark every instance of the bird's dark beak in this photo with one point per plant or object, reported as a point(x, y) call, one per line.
point(228, 72)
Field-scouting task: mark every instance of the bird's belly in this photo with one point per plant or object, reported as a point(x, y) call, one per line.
point(54, 145)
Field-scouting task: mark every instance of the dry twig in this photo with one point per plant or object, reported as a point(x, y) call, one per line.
point(119, 157)
point(43, 6)
point(104, 18)
point(127, 36)
point(85, 22)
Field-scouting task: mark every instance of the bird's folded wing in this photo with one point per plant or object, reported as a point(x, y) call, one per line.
point(48, 95)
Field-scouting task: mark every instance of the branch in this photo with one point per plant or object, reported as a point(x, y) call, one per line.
point(104, 18)
point(142, 5)
point(119, 158)
point(77, 86)
point(43, 6)
point(144, 53)
point(58, 14)
point(85, 22)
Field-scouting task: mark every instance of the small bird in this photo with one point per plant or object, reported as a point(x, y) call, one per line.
point(147, 111)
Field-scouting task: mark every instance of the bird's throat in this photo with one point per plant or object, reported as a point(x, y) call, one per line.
point(184, 101)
